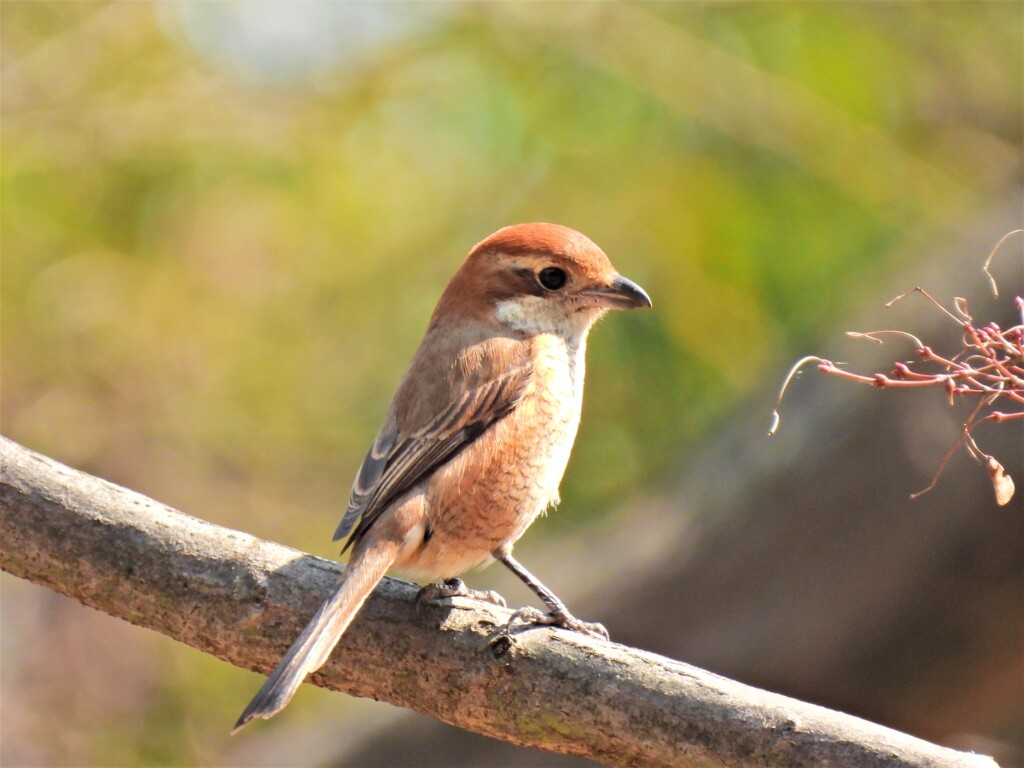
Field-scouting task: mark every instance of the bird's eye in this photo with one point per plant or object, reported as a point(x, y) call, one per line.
point(551, 278)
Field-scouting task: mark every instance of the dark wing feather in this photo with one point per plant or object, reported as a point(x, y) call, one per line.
point(394, 465)
point(368, 477)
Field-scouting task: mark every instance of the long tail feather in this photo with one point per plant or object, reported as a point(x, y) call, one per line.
point(313, 647)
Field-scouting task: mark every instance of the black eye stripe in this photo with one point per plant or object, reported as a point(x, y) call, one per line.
point(526, 282)
point(551, 278)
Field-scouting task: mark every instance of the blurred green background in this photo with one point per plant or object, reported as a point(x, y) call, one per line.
point(224, 226)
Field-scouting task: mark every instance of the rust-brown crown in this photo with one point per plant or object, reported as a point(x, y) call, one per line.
point(562, 243)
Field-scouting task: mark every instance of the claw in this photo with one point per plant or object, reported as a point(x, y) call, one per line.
point(457, 588)
point(563, 619)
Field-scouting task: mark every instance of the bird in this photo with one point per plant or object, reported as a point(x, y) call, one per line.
point(476, 439)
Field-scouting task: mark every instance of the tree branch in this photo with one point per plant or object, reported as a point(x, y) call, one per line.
point(244, 600)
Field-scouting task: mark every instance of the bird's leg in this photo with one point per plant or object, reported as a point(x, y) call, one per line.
point(558, 614)
point(457, 588)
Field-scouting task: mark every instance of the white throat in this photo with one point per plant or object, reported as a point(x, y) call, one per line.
point(532, 314)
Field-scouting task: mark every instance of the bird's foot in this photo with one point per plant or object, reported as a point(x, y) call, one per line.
point(457, 588)
point(562, 619)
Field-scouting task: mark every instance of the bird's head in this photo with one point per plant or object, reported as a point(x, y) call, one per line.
point(539, 278)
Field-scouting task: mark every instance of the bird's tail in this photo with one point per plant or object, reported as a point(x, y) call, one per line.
point(312, 648)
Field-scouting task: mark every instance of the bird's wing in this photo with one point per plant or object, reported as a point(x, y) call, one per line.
point(403, 455)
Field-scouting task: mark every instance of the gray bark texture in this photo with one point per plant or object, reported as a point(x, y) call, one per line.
point(244, 600)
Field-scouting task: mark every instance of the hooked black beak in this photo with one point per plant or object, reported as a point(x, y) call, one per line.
point(622, 293)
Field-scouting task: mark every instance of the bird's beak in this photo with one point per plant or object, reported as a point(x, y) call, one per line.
point(621, 293)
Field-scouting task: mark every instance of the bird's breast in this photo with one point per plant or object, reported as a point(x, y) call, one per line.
point(491, 492)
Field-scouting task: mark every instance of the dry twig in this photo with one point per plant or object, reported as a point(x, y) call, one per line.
point(989, 366)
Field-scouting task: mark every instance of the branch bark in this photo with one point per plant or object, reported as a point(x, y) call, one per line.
point(243, 600)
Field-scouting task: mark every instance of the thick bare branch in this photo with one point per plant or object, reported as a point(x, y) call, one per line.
point(244, 600)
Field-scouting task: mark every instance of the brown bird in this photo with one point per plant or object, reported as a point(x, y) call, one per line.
point(477, 438)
